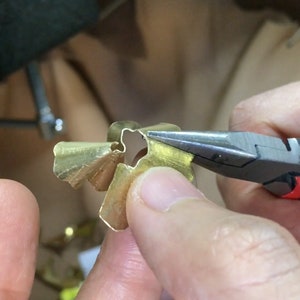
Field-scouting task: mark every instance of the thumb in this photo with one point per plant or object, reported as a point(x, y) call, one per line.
point(199, 250)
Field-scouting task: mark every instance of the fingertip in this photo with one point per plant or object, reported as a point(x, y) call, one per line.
point(19, 231)
point(156, 201)
point(15, 187)
point(17, 197)
point(161, 187)
point(164, 212)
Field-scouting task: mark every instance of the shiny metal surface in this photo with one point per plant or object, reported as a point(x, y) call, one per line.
point(243, 155)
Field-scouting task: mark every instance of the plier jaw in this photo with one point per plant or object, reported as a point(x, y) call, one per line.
point(244, 155)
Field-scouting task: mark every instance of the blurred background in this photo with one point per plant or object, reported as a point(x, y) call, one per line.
point(70, 68)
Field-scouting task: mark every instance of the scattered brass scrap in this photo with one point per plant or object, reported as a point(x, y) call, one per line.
point(57, 266)
point(72, 276)
point(105, 166)
point(84, 230)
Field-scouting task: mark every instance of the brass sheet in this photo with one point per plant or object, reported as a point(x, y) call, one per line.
point(103, 164)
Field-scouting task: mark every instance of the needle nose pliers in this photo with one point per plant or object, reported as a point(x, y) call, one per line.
point(271, 161)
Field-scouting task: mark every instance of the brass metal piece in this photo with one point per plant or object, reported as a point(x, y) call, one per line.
point(77, 161)
point(105, 166)
point(72, 276)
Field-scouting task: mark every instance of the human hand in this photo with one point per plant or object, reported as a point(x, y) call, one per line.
point(19, 231)
point(195, 249)
point(274, 113)
point(181, 242)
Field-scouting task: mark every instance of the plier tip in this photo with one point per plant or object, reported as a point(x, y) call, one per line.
point(244, 155)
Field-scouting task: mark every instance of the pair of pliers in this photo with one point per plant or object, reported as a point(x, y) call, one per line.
point(271, 161)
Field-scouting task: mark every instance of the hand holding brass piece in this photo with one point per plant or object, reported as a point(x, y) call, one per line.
point(107, 167)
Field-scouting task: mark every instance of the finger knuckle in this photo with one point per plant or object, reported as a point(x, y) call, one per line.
point(239, 116)
point(250, 248)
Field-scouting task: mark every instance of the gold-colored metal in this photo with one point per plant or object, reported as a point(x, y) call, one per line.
point(83, 230)
point(77, 161)
point(105, 165)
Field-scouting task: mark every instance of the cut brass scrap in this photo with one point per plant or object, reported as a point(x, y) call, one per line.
point(103, 164)
point(77, 161)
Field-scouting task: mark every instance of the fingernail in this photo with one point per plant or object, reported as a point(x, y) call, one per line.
point(161, 187)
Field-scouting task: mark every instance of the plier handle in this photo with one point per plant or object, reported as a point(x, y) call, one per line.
point(271, 161)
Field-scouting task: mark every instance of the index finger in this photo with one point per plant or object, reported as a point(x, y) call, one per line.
point(273, 113)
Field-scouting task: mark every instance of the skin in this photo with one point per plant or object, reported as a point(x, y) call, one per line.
point(276, 114)
point(180, 245)
point(19, 232)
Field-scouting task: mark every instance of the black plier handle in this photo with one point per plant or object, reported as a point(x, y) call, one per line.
point(271, 161)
